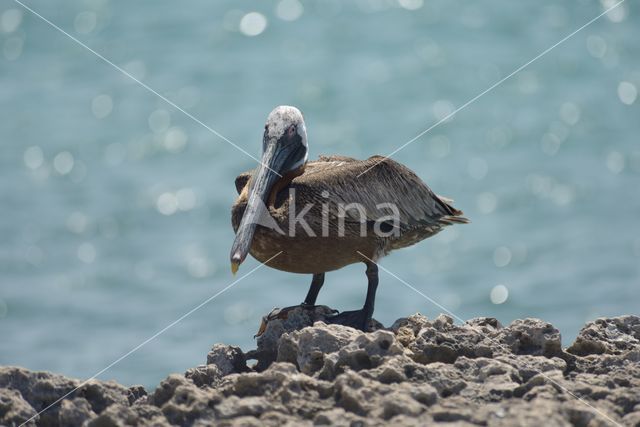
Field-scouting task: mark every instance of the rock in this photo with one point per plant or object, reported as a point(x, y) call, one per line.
point(280, 322)
point(396, 403)
point(114, 415)
point(228, 359)
point(608, 336)
point(442, 341)
point(42, 389)
point(188, 404)
point(14, 410)
point(407, 328)
point(101, 395)
point(532, 337)
point(166, 389)
point(246, 406)
point(306, 348)
point(204, 375)
point(632, 419)
point(366, 351)
point(331, 348)
point(338, 417)
point(39, 389)
point(75, 412)
point(529, 366)
point(135, 393)
point(417, 372)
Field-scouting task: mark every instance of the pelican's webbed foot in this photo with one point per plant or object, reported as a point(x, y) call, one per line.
point(358, 319)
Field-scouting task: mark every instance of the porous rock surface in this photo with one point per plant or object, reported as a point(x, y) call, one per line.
point(416, 372)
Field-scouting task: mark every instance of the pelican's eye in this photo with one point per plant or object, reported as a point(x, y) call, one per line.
point(291, 131)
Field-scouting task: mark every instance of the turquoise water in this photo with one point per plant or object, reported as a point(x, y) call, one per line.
point(115, 205)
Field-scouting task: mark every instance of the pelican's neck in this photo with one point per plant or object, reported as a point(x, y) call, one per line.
point(300, 164)
point(284, 181)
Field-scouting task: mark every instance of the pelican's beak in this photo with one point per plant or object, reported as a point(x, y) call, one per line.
point(273, 162)
point(234, 267)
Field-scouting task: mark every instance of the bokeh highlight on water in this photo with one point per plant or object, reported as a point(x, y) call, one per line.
point(115, 205)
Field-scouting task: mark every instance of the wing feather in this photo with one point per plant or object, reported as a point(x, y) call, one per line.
point(242, 180)
point(388, 182)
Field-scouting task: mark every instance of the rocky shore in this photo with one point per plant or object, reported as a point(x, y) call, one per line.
point(416, 372)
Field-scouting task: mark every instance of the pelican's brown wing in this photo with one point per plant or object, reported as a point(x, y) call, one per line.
point(388, 182)
point(242, 180)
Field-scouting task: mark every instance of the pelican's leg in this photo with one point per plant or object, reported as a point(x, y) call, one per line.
point(372, 287)
point(360, 319)
point(312, 295)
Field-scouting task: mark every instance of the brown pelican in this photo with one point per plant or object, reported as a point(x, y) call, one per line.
point(318, 216)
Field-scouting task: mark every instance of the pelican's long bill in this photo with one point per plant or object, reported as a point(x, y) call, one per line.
point(284, 150)
point(259, 190)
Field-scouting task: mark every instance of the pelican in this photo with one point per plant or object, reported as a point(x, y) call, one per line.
point(313, 217)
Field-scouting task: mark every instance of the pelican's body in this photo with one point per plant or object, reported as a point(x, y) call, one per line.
point(319, 216)
point(422, 214)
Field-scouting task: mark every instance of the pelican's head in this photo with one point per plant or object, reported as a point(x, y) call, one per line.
point(286, 133)
point(284, 150)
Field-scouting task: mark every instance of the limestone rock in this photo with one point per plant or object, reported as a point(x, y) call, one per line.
point(417, 372)
point(14, 410)
point(228, 359)
point(283, 321)
point(204, 375)
point(75, 412)
point(608, 336)
point(42, 389)
point(533, 337)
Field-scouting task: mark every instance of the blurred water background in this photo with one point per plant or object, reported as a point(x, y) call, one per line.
point(115, 205)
